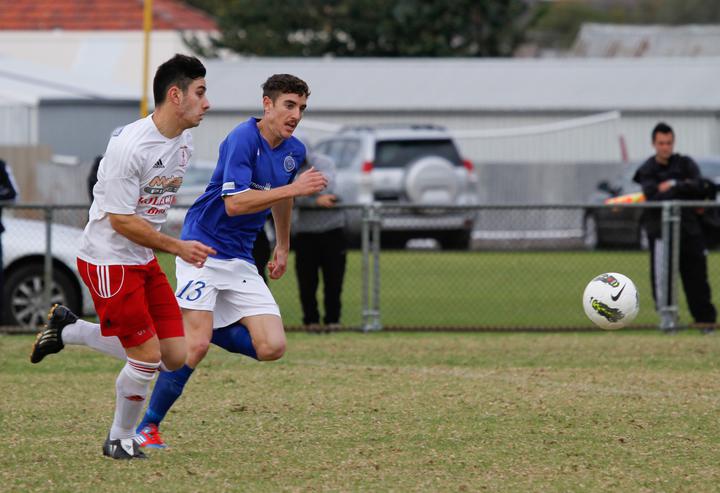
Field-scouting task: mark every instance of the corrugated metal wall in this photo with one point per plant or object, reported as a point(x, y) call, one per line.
point(18, 125)
point(696, 134)
point(82, 129)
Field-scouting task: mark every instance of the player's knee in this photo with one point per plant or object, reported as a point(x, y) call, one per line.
point(197, 351)
point(174, 361)
point(271, 351)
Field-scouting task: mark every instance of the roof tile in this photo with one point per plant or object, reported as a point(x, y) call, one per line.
point(94, 15)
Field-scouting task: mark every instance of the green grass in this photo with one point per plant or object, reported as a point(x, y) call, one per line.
point(624, 411)
point(481, 289)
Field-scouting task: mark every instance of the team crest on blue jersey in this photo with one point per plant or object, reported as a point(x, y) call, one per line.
point(289, 163)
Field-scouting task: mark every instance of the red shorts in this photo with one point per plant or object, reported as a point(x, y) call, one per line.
point(133, 302)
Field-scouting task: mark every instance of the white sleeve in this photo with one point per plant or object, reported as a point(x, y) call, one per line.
point(121, 176)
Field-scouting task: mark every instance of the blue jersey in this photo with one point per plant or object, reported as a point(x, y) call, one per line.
point(246, 162)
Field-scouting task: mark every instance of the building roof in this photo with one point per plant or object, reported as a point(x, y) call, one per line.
point(419, 85)
point(25, 83)
point(91, 15)
point(473, 85)
point(615, 40)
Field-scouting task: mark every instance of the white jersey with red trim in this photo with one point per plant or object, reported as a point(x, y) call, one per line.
point(139, 174)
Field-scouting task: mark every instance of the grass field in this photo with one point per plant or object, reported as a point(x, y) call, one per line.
point(622, 411)
point(481, 289)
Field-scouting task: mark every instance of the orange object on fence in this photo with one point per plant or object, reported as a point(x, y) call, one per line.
point(630, 198)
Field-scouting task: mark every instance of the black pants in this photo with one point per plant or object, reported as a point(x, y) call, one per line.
point(693, 272)
point(320, 251)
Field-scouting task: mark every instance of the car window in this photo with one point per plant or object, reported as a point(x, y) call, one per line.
point(322, 148)
point(399, 153)
point(709, 169)
point(349, 151)
point(334, 150)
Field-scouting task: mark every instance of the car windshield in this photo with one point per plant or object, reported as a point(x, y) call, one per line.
point(399, 153)
point(710, 169)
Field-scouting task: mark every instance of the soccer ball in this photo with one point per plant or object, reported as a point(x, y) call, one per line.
point(611, 301)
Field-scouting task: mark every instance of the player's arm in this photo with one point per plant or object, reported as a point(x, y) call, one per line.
point(282, 216)
point(249, 201)
point(141, 232)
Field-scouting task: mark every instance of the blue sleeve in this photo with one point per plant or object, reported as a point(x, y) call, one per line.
point(237, 157)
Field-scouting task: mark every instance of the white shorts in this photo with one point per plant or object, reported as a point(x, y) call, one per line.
point(230, 289)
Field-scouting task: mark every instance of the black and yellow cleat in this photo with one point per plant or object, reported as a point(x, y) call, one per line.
point(49, 340)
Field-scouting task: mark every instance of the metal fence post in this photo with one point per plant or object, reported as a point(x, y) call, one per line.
point(365, 262)
point(48, 279)
point(376, 224)
point(370, 236)
point(668, 306)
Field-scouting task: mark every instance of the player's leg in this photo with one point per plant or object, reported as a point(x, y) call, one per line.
point(121, 304)
point(170, 385)
point(195, 289)
point(268, 336)
point(131, 389)
point(65, 328)
point(246, 317)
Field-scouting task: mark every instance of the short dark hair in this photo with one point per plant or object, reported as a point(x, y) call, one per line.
point(284, 84)
point(179, 71)
point(662, 128)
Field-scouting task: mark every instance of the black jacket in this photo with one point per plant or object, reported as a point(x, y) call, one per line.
point(689, 186)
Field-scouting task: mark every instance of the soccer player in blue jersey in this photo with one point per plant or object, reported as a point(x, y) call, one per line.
point(226, 301)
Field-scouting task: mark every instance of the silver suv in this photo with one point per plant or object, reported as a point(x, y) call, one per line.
point(405, 165)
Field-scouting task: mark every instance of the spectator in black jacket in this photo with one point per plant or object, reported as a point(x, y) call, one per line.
point(670, 176)
point(8, 192)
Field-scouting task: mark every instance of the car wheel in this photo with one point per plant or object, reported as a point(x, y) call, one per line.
point(23, 295)
point(590, 232)
point(431, 180)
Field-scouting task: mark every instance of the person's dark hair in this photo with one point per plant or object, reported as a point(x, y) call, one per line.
point(179, 71)
point(284, 84)
point(662, 128)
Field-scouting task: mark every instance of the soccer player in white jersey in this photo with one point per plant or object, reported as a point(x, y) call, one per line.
point(141, 171)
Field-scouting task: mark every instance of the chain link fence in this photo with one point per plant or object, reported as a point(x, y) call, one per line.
point(501, 268)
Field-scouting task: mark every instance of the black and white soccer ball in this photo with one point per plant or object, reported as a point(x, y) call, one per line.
point(611, 301)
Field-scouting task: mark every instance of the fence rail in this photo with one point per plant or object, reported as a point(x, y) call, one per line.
point(484, 268)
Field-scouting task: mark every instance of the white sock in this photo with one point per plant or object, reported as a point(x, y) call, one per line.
point(84, 333)
point(131, 387)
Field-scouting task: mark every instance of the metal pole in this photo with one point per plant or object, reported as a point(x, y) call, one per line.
point(365, 243)
point(667, 304)
point(147, 28)
point(377, 216)
point(48, 281)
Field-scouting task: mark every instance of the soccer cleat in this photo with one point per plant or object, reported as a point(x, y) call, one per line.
point(123, 449)
point(149, 437)
point(49, 340)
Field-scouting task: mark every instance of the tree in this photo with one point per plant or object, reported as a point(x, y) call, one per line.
point(370, 27)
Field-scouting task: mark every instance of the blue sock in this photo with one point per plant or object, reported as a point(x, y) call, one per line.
point(168, 388)
point(234, 338)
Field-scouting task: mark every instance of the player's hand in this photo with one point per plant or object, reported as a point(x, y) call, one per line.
point(195, 253)
point(326, 200)
point(310, 182)
point(278, 265)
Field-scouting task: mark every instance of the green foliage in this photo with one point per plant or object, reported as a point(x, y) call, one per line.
point(371, 27)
